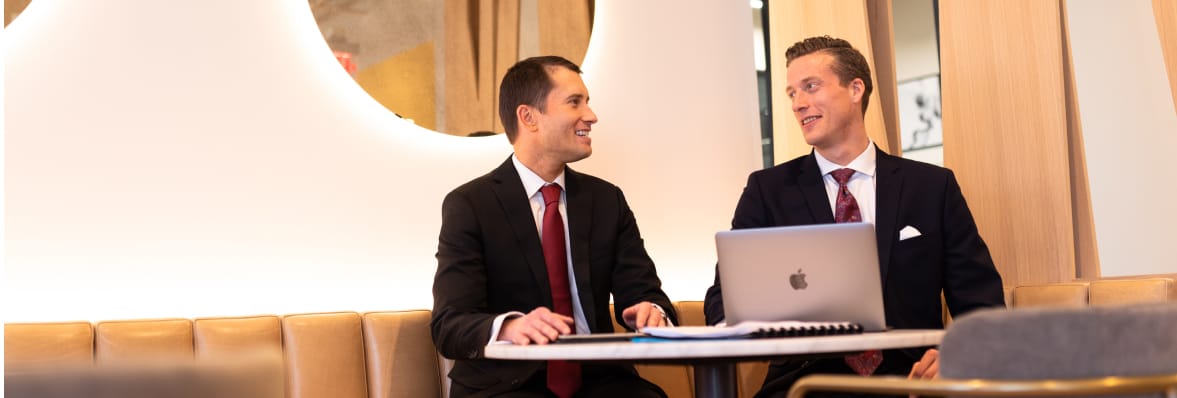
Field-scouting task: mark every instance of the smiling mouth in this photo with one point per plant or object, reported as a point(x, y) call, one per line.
point(808, 120)
point(582, 133)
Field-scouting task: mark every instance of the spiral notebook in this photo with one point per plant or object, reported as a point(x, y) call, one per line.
point(755, 329)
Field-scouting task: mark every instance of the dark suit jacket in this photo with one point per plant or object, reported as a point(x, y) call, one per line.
point(490, 261)
point(949, 256)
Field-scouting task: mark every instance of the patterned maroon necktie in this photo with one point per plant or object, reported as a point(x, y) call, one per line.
point(846, 210)
point(563, 376)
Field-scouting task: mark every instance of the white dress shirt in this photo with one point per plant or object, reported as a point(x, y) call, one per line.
point(861, 183)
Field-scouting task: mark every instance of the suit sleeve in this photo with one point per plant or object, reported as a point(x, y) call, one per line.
point(635, 278)
point(750, 213)
point(971, 280)
point(460, 325)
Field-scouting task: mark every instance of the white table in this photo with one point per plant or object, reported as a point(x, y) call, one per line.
point(715, 360)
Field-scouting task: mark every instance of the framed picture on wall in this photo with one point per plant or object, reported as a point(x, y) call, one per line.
point(920, 123)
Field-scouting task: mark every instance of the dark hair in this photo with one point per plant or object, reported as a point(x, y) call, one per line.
point(849, 64)
point(527, 83)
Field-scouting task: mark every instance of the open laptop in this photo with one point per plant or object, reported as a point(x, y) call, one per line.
point(823, 272)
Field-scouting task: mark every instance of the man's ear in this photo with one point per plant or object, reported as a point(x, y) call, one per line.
point(857, 88)
point(526, 116)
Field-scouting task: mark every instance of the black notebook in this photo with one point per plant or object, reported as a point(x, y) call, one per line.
point(756, 329)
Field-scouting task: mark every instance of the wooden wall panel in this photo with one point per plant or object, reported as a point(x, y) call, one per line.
point(793, 20)
point(1166, 15)
point(1005, 131)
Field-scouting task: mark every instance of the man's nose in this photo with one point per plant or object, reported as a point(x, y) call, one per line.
point(590, 117)
point(799, 102)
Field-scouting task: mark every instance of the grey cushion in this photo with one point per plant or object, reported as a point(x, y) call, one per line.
point(1027, 344)
point(1063, 343)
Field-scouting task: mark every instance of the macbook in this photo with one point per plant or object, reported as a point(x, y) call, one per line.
point(822, 273)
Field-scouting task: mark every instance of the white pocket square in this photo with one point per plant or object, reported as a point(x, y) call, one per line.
point(908, 232)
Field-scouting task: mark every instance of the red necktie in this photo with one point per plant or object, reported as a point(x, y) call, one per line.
point(846, 210)
point(563, 376)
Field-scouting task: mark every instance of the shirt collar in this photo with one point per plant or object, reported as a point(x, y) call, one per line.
point(533, 182)
point(864, 163)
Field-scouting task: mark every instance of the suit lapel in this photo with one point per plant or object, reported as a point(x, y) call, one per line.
point(508, 189)
point(580, 217)
point(814, 190)
point(888, 186)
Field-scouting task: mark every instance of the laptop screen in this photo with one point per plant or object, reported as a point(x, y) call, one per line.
point(821, 272)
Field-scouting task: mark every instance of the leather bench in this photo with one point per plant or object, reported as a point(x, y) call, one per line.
point(386, 354)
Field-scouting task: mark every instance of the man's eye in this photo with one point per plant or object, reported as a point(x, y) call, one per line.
point(810, 86)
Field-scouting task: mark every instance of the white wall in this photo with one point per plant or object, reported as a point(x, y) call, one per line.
point(210, 157)
point(1129, 133)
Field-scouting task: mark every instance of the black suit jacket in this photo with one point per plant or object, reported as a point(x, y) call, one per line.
point(948, 257)
point(490, 261)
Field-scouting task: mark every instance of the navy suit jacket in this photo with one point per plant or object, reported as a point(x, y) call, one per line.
point(948, 257)
point(490, 261)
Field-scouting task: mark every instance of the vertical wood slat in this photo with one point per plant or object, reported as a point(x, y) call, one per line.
point(486, 85)
point(461, 74)
point(793, 20)
point(1165, 12)
point(1086, 250)
point(1005, 132)
point(882, 37)
point(506, 52)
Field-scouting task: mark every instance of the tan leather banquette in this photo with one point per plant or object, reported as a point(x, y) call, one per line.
point(384, 354)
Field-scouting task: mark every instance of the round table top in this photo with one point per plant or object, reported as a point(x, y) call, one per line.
point(688, 349)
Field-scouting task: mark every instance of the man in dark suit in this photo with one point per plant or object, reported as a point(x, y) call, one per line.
point(927, 239)
point(509, 271)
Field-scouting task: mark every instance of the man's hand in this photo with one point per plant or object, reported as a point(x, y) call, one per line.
point(928, 367)
point(643, 314)
point(540, 326)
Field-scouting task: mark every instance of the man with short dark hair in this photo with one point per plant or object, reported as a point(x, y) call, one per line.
point(927, 239)
point(508, 269)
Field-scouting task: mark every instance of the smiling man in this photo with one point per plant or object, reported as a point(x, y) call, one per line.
point(510, 271)
point(927, 239)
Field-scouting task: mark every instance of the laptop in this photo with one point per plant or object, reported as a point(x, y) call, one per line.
point(816, 273)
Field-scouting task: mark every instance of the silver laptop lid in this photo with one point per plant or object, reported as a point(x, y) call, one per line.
point(822, 272)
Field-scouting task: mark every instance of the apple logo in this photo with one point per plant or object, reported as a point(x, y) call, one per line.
point(798, 280)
